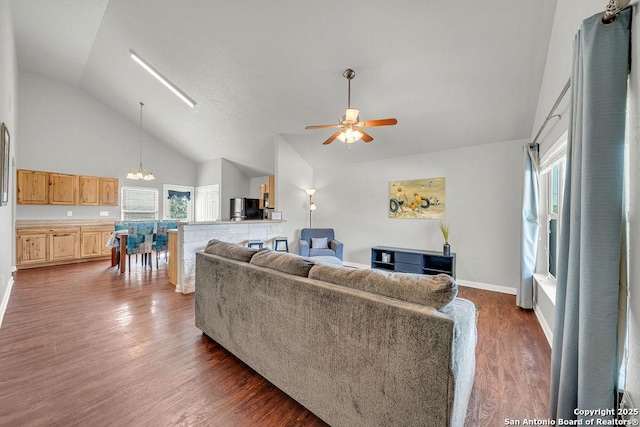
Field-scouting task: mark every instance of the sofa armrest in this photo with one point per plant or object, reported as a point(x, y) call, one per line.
point(337, 247)
point(304, 248)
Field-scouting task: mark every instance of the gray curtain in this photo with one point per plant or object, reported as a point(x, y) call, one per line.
point(529, 227)
point(584, 356)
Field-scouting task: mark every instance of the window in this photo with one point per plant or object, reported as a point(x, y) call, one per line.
point(552, 169)
point(208, 203)
point(555, 179)
point(139, 203)
point(178, 203)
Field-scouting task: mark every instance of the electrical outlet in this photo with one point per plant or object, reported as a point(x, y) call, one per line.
point(69, 213)
point(104, 213)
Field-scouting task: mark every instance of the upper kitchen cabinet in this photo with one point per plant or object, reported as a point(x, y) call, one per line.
point(89, 190)
point(109, 191)
point(63, 189)
point(33, 187)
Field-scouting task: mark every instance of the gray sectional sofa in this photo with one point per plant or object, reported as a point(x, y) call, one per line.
point(357, 347)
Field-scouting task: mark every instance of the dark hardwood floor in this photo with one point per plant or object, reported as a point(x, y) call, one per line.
point(83, 345)
point(513, 362)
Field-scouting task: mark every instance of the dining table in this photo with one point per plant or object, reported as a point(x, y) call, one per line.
point(121, 261)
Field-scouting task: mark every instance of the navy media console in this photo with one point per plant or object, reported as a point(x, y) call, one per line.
point(413, 261)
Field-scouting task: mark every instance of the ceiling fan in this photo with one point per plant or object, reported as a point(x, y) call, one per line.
point(351, 129)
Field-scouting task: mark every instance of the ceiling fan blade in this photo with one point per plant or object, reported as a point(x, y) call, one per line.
point(380, 122)
point(366, 137)
point(322, 127)
point(331, 138)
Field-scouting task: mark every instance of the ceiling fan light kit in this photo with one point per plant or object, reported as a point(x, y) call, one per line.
point(349, 136)
point(351, 128)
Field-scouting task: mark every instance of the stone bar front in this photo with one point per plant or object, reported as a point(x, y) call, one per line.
point(193, 237)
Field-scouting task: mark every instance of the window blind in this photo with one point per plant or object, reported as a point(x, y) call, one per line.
point(139, 203)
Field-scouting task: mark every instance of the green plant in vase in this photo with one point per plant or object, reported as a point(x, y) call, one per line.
point(444, 228)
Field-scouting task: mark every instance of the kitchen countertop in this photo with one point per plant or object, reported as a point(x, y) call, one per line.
point(245, 221)
point(62, 222)
point(92, 221)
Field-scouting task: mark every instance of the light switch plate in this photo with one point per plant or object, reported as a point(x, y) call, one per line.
point(104, 213)
point(69, 213)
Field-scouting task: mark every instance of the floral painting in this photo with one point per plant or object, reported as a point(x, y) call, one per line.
point(420, 198)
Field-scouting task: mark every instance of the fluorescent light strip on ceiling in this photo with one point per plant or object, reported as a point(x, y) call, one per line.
point(162, 79)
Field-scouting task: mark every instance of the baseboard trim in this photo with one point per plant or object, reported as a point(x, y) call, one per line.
point(487, 287)
point(5, 299)
point(355, 265)
point(468, 283)
point(545, 326)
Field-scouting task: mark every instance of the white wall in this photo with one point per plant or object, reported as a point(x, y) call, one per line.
point(568, 18)
point(64, 129)
point(482, 205)
point(293, 176)
point(8, 98)
point(254, 186)
point(234, 184)
point(209, 173)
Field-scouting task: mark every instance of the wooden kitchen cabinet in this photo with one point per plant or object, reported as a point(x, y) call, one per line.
point(93, 240)
point(90, 244)
point(63, 189)
point(33, 187)
point(52, 188)
point(109, 191)
point(64, 245)
point(268, 193)
point(89, 190)
point(106, 235)
point(173, 257)
point(32, 248)
point(41, 245)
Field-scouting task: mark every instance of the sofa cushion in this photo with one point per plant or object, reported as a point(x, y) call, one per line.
point(321, 252)
point(319, 243)
point(283, 261)
point(231, 250)
point(435, 291)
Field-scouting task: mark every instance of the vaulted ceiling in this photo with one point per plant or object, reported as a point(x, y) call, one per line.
point(453, 74)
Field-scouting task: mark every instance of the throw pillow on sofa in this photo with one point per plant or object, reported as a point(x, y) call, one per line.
point(435, 291)
point(231, 250)
point(284, 262)
point(319, 243)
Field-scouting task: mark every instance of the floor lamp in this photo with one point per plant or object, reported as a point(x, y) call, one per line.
point(312, 206)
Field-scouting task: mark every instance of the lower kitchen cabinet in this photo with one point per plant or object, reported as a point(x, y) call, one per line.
point(38, 246)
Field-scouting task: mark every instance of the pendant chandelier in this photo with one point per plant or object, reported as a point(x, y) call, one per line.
point(140, 172)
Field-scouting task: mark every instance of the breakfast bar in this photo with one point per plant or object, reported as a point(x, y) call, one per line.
point(192, 237)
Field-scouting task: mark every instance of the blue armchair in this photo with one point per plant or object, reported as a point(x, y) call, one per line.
point(333, 247)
